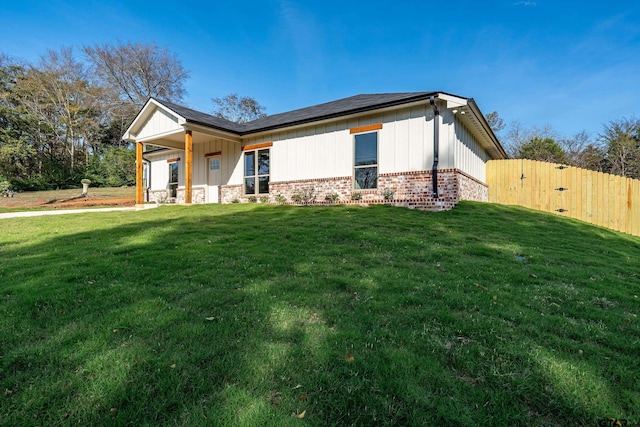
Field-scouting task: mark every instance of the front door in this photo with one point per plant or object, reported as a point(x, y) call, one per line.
point(215, 179)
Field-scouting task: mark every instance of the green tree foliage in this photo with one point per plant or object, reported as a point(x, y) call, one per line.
point(17, 145)
point(112, 166)
point(543, 149)
point(62, 119)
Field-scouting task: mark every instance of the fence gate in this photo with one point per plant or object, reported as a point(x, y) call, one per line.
point(599, 198)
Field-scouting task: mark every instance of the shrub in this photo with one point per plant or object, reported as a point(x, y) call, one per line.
point(388, 194)
point(332, 198)
point(304, 195)
point(356, 196)
point(280, 198)
point(253, 199)
point(4, 185)
point(264, 199)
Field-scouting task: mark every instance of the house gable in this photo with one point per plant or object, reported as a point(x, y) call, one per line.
point(154, 121)
point(159, 123)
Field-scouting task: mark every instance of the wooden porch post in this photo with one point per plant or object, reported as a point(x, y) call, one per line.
point(139, 189)
point(188, 167)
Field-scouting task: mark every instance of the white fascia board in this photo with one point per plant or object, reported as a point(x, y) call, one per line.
point(211, 132)
point(453, 101)
point(145, 112)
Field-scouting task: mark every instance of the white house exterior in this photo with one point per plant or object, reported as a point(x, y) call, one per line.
point(381, 148)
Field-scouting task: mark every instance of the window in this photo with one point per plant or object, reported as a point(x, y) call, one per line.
point(214, 164)
point(366, 161)
point(173, 179)
point(145, 175)
point(256, 172)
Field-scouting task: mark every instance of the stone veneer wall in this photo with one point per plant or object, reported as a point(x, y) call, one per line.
point(229, 193)
point(162, 196)
point(159, 196)
point(197, 195)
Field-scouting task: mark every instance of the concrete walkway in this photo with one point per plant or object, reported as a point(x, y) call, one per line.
point(69, 211)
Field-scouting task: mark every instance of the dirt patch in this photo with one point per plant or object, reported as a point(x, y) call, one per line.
point(71, 199)
point(91, 202)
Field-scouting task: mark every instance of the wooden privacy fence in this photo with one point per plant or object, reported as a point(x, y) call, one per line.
point(599, 198)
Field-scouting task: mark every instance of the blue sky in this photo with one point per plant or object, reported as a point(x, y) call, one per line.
point(572, 64)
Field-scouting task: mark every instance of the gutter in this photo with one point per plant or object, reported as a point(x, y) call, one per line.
point(436, 145)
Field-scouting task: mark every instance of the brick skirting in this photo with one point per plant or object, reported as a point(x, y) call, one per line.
point(406, 189)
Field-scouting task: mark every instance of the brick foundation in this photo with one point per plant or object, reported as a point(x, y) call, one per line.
point(406, 189)
point(472, 189)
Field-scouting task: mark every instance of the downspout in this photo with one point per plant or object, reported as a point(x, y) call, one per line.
point(436, 145)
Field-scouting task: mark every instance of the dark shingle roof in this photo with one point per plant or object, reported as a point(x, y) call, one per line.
point(341, 107)
point(201, 118)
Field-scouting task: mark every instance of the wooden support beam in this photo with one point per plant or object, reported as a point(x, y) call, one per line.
point(188, 167)
point(139, 171)
point(256, 146)
point(368, 128)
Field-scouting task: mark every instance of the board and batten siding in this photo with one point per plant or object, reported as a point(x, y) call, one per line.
point(229, 161)
point(405, 143)
point(160, 122)
point(160, 168)
point(230, 158)
point(469, 155)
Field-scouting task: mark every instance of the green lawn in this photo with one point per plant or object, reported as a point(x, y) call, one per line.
point(270, 315)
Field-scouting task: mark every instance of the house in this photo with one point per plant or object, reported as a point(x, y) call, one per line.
point(423, 150)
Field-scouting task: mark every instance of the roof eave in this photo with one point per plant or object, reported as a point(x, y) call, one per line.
point(485, 125)
point(350, 112)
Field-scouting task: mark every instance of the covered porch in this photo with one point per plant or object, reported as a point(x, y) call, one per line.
point(206, 156)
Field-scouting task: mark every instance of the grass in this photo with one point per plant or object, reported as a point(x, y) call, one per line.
point(272, 315)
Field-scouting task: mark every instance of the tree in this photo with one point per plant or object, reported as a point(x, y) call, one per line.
point(70, 102)
point(543, 149)
point(239, 109)
point(20, 154)
point(131, 73)
point(582, 152)
point(135, 71)
point(622, 143)
point(495, 122)
point(518, 135)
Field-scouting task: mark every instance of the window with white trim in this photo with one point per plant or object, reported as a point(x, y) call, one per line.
point(365, 173)
point(256, 172)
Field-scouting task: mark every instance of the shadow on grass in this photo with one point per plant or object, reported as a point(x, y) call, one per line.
point(267, 315)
